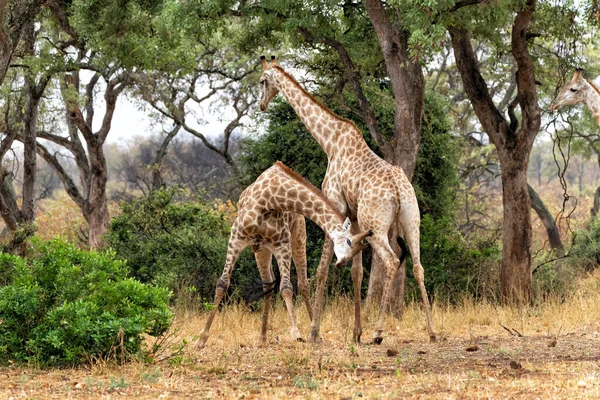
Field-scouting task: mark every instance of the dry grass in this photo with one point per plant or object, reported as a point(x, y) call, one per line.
point(558, 356)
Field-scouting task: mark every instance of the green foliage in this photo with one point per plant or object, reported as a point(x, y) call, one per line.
point(65, 306)
point(586, 246)
point(452, 266)
point(436, 174)
point(177, 246)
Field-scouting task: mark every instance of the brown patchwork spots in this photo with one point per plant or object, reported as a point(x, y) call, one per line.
point(360, 184)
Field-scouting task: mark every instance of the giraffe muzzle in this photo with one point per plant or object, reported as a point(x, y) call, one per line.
point(359, 244)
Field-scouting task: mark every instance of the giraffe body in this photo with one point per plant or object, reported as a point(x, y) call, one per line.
point(579, 90)
point(271, 222)
point(372, 192)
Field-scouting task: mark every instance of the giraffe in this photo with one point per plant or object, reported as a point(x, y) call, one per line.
point(579, 90)
point(270, 220)
point(375, 194)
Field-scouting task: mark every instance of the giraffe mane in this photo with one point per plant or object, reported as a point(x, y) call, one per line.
point(593, 87)
point(310, 96)
point(304, 182)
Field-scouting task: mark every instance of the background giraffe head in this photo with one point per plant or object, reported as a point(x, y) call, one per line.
point(267, 83)
point(572, 92)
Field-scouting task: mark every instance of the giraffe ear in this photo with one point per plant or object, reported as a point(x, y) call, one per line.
point(346, 225)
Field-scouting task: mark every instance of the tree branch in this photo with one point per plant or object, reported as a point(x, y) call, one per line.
point(70, 187)
point(476, 88)
point(527, 93)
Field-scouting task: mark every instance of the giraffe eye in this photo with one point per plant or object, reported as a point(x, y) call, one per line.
point(573, 90)
point(349, 242)
point(262, 82)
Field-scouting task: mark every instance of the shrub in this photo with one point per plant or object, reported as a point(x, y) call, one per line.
point(586, 246)
point(67, 306)
point(452, 266)
point(178, 246)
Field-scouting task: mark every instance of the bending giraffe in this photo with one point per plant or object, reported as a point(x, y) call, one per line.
point(270, 220)
point(579, 90)
point(374, 193)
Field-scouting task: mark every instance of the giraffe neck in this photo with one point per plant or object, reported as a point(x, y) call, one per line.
point(323, 125)
point(592, 100)
point(291, 193)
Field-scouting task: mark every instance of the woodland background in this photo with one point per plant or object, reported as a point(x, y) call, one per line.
point(161, 193)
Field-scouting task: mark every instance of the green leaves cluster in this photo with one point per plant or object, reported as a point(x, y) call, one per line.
point(65, 306)
point(180, 246)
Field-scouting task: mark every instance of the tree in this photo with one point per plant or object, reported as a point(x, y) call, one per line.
point(512, 137)
point(21, 124)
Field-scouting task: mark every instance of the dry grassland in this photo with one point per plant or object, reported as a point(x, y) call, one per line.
point(557, 356)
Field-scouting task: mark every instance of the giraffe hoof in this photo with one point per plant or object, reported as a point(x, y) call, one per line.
point(300, 340)
point(315, 338)
point(356, 339)
point(377, 340)
point(432, 339)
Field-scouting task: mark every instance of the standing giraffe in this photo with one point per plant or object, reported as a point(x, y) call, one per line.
point(374, 193)
point(579, 90)
point(270, 220)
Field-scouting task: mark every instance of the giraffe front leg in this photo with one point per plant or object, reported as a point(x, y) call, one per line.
point(322, 272)
point(299, 257)
point(381, 245)
point(284, 259)
point(221, 289)
point(357, 277)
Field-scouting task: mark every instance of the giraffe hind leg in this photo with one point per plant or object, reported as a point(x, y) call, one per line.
point(263, 261)
point(299, 257)
point(410, 222)
point(283, 256)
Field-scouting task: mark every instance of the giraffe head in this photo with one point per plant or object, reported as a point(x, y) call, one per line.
point(572, 92)
point(267, 83)
point(346, 246)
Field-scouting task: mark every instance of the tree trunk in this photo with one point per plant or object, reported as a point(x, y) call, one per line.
point(596, 206)
point(11, 214)
point(97, 219)
point(14, 16)
point(408, 87)
point(515, 275)
point(29, 149)
point(157, 180)
point(514, 145)
point(547, 219)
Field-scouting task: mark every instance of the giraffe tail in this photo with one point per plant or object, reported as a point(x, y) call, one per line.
point(403, 247)
point(265, 289)
point(398, 227)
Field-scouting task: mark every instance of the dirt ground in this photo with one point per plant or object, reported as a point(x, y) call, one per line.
point(550, 351)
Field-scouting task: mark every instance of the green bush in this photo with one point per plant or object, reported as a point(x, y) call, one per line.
point(65, 306)
point(556, 276)
point(586, 246)
point(181, 247)
point(453, 267)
